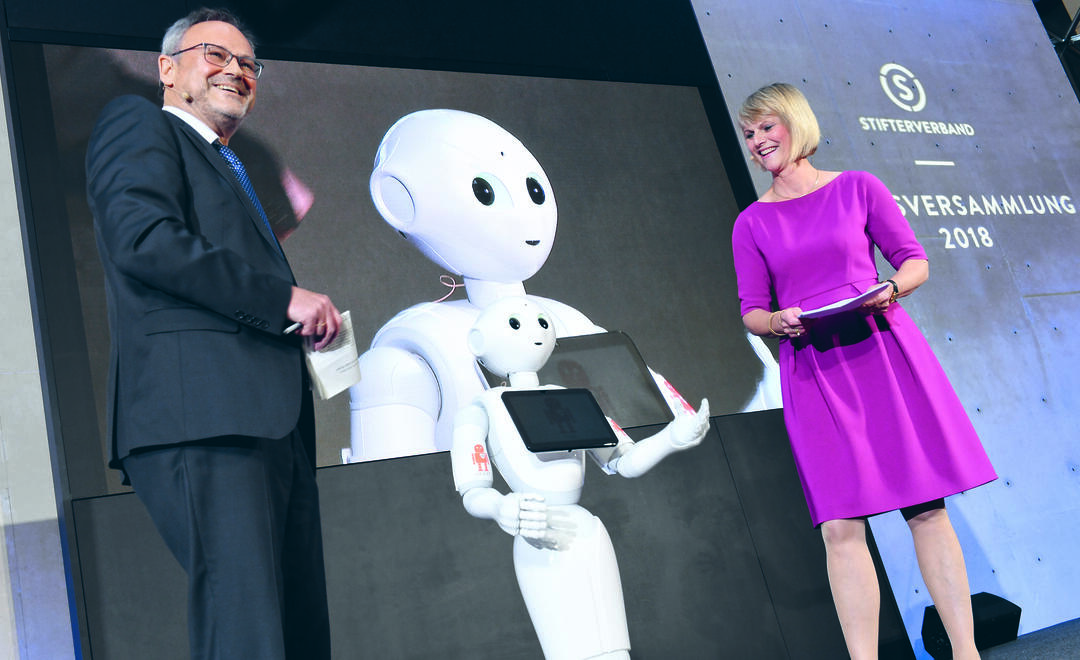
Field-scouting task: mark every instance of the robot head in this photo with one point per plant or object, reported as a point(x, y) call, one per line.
point(512, 335)
point(466, 193)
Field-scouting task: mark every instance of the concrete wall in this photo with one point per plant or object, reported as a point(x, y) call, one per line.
point(999, 312)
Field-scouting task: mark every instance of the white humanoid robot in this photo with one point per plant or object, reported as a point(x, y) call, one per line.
point(475, 201)
point(563, 557)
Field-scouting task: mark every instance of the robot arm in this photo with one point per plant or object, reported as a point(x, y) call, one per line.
point(685, 431)
point(674, 400)
point(468, 455)
point(394, 407)
point(517, 514)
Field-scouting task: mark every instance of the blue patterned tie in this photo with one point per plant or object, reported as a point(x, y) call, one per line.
point(241, 175)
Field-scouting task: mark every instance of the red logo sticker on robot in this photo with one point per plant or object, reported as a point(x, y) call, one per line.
point(480, 458)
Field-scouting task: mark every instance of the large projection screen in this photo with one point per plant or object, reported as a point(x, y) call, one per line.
point(644, 203)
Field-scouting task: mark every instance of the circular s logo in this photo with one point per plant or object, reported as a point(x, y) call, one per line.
point(902, 87)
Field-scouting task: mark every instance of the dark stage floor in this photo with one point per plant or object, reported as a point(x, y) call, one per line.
point(1060, 642)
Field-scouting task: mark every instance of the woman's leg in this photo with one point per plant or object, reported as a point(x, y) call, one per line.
point(854, 584)
point(942, 564)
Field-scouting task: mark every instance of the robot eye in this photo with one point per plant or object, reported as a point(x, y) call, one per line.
point(543, 322)
point(514, 322)
point(536, 191)
point(485, 194)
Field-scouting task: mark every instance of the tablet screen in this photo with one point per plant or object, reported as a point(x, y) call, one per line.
point(558, 419)
point(609, 365)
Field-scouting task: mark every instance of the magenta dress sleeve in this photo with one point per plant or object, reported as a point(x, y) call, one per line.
point(752, 275)
point(887, 226)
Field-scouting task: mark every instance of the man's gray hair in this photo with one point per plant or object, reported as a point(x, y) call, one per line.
point(175, 34)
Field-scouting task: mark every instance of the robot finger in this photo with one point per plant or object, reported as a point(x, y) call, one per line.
point(533, 510)
point(560, 539)
point(703, 410)
point(560, 521)
point(531, 502)
point(544, 543)
point(532, 530)
point(533, 519)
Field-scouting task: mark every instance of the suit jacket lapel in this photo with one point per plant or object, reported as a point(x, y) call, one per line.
point(216, 161)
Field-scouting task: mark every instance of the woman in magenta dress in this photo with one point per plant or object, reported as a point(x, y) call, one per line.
point(873, 421)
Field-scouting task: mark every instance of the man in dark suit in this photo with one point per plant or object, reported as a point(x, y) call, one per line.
point(210, 412)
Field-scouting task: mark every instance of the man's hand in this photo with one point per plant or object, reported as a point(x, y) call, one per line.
point(317, 315)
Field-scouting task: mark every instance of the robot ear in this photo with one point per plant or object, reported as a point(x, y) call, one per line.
point(476, 342)
point(392, 200)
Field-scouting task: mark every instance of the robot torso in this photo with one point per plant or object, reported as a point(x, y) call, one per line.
point(437, 332)
point(558, 476)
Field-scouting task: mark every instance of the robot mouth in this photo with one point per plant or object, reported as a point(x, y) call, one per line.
point(534, 243)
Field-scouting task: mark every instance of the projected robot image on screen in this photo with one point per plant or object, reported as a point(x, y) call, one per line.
point(563, 557)
point(475, 201)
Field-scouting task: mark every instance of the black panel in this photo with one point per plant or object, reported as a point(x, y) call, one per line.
point(140, 24)
point(133, 591)
point(790, 549)
point(691, 577)
point(633, 40)
point(716, 559)
point(410, 574)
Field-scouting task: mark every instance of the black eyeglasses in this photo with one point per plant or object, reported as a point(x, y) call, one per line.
point(218, 56)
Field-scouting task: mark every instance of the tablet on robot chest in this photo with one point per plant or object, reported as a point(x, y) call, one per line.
point(559, 419)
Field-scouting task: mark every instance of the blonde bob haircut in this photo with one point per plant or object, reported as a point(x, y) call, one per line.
point(788, 103)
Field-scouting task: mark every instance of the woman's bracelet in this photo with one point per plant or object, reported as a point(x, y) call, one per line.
point(774, 332)
point(895, 290)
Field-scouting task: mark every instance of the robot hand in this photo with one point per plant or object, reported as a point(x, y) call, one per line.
point(683, 432)
point(523, 514)
point(688, 430)
point(527, 515)
point(559, 534)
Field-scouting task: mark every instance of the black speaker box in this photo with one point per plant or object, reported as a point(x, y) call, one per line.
point(996, 622)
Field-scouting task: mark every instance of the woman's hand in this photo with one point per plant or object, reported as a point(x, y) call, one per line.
point(787, 322)
point(911, 274)
point(784, 323)
point(879, 303)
